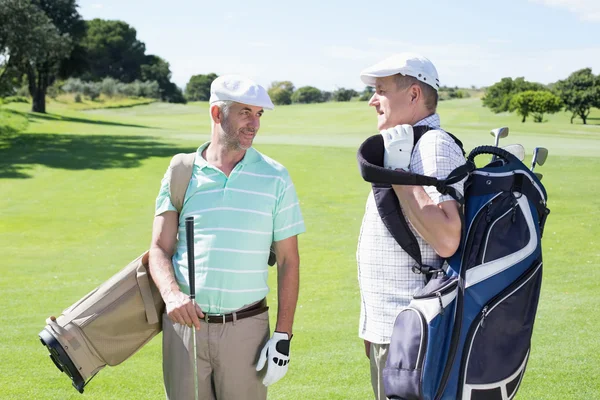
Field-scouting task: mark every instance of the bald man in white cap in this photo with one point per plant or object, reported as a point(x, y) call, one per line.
point(242, 201)
point(406, 95)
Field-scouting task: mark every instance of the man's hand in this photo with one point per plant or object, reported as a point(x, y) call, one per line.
point(182, 310)
point(277, 354)
point(398, 142)
point(367, 348)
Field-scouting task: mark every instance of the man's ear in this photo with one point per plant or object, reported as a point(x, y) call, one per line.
point(215, 114)
point(415, 94)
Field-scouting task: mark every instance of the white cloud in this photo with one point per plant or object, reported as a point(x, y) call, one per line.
point(587, 10)
point(97, 5)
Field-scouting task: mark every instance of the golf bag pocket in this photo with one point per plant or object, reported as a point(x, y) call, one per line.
point(498, 343)
point(429, 315)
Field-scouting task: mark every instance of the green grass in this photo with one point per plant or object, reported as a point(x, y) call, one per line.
point(77, 202)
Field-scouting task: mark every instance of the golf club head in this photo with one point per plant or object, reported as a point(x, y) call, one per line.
point(498, 133)
point(539, 176)
point(540, 154)
point(516, 150)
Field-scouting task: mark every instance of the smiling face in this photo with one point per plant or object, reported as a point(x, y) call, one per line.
point(394, 105)
point(239, 125)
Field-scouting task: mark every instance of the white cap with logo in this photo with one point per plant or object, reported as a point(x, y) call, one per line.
point(410, 64)
point(241, 90)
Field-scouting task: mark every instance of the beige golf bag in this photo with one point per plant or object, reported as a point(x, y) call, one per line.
point(119, 317)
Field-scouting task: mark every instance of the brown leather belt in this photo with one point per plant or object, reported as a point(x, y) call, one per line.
point(251, 311)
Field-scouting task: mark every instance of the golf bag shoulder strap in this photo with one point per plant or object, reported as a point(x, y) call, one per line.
point(391, 214)
point(180, 170)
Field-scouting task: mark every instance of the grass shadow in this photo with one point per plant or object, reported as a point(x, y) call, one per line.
point(31, 116)
point(20, 151)
point(56, 117)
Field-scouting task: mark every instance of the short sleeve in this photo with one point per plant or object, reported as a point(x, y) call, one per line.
point(163, 200)
point(288, 219)
point(437, 154)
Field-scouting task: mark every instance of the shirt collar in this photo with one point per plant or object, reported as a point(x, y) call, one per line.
point(433, 121)
point(250, 157)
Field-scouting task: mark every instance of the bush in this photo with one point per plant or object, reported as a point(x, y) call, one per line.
point(281, 92)
point(92, 90)
point(343, 94)
point(108, 87)
point(78, 98)
point(150, 90)
point(307, 94)
point(16, 99)
point(73, 85)
point(367, 93)
point(54, 90)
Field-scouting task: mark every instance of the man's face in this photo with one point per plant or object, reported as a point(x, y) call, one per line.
point(393, 105)
point(240, 126)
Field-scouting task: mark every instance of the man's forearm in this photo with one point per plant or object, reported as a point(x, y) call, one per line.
point(434, 225)
point(161, 270)
point(288, 280)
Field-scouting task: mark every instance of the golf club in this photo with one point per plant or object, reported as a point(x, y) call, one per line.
point(189, 235)
point(498, 133)
point(516, 150)
point(540, 154)
point(539, 176)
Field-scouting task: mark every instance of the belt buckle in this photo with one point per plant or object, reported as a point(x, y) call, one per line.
point(207, 318)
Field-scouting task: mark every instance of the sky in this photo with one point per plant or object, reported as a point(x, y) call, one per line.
point(326, 43)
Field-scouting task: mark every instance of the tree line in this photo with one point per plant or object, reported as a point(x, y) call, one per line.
point(578, 94)
point(284, 92)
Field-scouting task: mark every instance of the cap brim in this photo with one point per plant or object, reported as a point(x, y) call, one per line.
point(266, 105)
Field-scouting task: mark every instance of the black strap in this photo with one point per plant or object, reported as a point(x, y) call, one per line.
point(370, 158)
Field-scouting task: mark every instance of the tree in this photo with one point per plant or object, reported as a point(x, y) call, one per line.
point(498, 96)
point(281, 92)
point(343, 94)
point(537, 103)
point(307, 94)
point(36, 36)
point(57, 42)
point(158, 70)
point(198, 87)
point(579, 93)
point(113, 50)
point(326, 96)
point(367, 93)
point(23, 27)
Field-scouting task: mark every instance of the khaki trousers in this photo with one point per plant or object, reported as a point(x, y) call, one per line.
point(226, 355)
point(378, 358)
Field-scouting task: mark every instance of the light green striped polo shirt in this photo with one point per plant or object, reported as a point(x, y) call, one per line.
point(235, 221)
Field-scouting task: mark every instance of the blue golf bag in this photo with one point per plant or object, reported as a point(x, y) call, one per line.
point(467, 333)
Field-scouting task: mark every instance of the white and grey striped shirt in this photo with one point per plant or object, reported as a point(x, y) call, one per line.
point(385, 277)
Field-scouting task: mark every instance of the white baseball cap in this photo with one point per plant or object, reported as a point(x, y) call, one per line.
point(410, 64)
point(241, 90)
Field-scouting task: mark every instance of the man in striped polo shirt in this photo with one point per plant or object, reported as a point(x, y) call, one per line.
point(241, 201)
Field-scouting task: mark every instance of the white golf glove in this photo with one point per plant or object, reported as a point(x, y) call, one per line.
point(398, 142)
point(277, 352)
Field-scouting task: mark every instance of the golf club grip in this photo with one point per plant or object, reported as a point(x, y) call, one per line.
point(189, 236)
point(497, 151)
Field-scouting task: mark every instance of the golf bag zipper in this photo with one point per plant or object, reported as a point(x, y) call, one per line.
point(479, 322)
point(459, 301)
